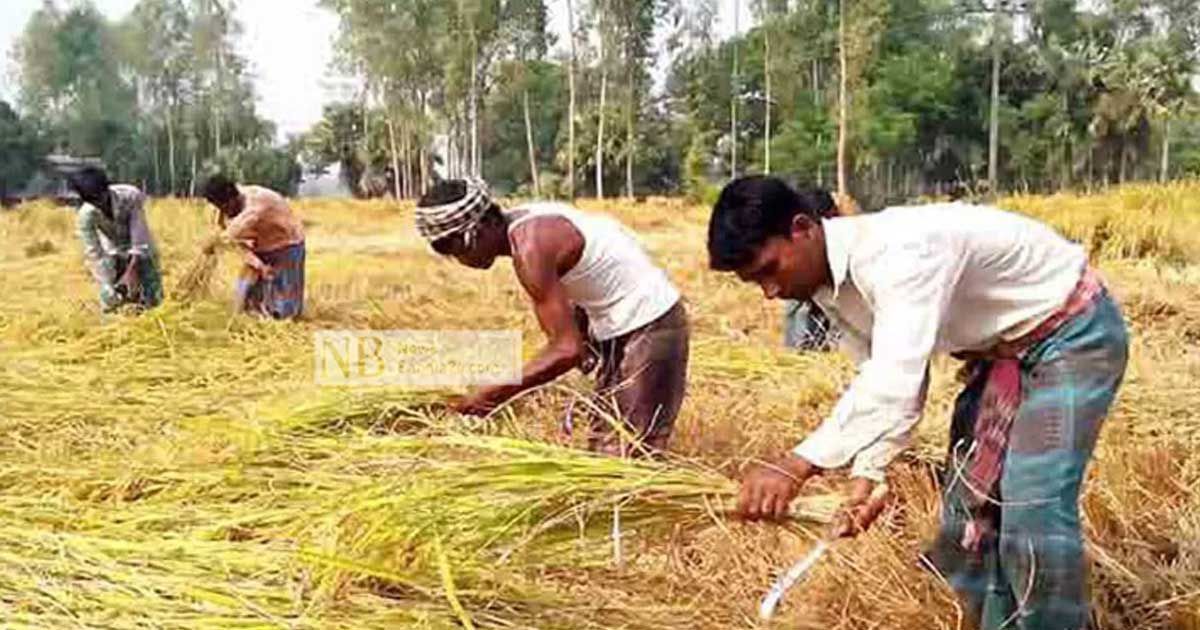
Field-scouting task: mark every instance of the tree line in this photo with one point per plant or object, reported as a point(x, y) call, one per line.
point(887, 99)
point(161, 96)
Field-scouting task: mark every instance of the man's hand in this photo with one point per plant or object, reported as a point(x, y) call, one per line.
point(263, 270)
point(866, 502)
point(130, 279)
point(768, 489)
point(472, 406)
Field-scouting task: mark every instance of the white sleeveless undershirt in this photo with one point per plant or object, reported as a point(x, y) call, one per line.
point(614, 281)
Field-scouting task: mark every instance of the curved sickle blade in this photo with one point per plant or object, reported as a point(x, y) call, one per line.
point(766, 609)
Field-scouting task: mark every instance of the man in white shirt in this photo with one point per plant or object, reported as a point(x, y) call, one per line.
point(1046, 346)
point(570, 262)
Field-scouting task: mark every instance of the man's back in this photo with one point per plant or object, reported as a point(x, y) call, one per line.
point(615, 281)
point(996, 274)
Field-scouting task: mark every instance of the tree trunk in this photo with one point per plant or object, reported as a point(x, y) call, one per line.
point(423, 184)
point(391, 126)
point(474, 107)
point(571, 109)
point(767, 104)
point(217, 106)
point(842, 97)
point(630, 142)
point(422, 154)
point(453, 149)
point(1091, 168)
point(820, 167)
point(157, 168)
point(171, 153)
point(1164, 172)
point(1121, 166)
point(994, 122)
point(407, 150)
point(816, 82)
point(600, 135)
point(1067, 163)
point(887, 187)
point(533, 170)
point(733, 96)
point(192, 185)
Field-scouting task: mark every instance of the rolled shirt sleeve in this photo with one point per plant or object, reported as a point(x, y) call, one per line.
point(875, 418)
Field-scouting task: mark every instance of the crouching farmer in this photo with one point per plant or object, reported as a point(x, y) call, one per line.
point(117, 246)
point(565, 260)
point(1046, 348)
point(261, 224)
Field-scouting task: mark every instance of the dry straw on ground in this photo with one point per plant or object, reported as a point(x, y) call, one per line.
point(178, 469)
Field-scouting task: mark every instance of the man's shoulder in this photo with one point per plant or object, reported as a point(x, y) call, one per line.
point(550, 208)
point(261, 193)
point(905, 236)
point(541, 214)
point(126, 196)
point(125, 190)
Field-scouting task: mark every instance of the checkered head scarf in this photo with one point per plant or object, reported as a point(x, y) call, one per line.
point(459, 216)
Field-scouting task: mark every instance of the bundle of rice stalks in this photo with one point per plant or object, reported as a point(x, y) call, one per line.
point(457, 527)
point(197, 279)
point(497, 500)
point(384, 410)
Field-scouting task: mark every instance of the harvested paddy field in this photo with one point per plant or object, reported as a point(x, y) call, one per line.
point(179, 469)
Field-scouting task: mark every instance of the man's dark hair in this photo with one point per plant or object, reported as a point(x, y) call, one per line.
point(90, 183)
point(219, 190)
point(752, 209)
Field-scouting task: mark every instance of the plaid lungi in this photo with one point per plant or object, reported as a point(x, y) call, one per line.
point(1029, 573)
point(281, 297)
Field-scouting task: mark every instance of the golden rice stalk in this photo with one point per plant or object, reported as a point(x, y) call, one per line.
point(198, 277)
point(495, 500)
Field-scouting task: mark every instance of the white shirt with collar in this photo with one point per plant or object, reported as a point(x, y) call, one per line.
point(909, 282)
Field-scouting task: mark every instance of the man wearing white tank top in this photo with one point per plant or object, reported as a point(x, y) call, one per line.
point(592, 286)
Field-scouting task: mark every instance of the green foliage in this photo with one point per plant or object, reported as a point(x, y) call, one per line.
point(505, 150)
point(261, 165)
point(152, 95)
point(20, 145)
point(1086, 94)
point(1091, 93)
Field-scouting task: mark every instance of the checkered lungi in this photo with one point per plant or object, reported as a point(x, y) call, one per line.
point(1029, 572)
point(281, 297)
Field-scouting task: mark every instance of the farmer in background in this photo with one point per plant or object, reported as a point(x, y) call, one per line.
point(805, 326)
point(117, 246)
point(1046, 348)
point(566, 258)
point(261, 223)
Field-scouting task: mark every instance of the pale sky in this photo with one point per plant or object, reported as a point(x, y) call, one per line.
point(289, 44)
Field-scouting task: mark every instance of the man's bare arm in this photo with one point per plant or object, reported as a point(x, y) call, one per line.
point(542, 251)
